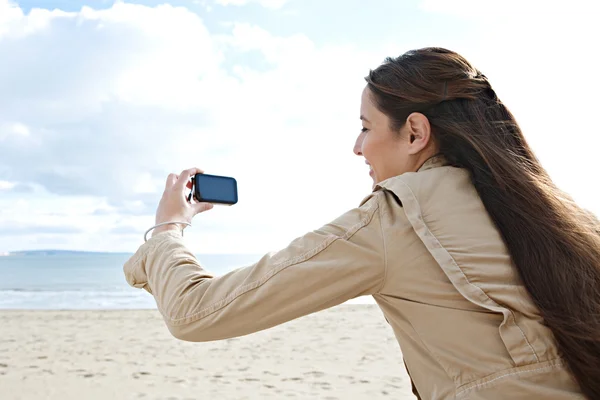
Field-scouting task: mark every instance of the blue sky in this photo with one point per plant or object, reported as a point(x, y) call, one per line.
point(101, 100)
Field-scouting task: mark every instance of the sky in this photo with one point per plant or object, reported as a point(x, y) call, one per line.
point(101, 100)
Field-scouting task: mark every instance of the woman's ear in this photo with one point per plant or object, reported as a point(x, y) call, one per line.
point(419, 132)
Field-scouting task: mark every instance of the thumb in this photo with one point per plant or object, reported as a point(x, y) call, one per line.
point(201, 207)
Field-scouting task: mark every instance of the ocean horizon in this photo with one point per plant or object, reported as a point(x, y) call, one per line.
point(81, 280)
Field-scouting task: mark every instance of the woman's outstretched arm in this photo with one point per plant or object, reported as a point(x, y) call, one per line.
point(341, 260)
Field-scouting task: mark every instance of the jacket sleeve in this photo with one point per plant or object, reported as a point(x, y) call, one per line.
point(340, 261)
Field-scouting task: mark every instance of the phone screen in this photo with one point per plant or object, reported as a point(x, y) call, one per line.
point(215, 189)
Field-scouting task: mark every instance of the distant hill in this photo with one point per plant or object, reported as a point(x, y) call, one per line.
point(92, 253)
point(58, 253)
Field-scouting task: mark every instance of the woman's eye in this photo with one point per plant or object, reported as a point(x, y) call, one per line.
point(363, 130)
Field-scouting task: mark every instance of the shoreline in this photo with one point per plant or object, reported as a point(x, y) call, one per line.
point(23, 301)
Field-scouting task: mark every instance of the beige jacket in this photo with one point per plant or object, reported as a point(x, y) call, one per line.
point(424, 247)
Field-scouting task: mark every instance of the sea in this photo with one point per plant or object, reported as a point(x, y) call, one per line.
point(88, 281)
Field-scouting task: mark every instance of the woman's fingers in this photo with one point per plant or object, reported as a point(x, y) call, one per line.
point(185, 176)
point(201, 207)
point(182, 180)
point(171, 179)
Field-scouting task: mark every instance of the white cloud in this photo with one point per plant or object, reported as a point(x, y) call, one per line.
point(4, 185)
point(113, 100)
point(272, 4)
point(13, 129)
point(98, 106)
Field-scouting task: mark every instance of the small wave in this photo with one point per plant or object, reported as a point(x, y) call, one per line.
point(75, 299)
point(91, 299)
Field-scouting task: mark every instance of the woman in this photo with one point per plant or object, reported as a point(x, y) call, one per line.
point(488, 274)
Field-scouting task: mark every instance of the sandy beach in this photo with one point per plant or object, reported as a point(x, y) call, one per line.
point(348, 352)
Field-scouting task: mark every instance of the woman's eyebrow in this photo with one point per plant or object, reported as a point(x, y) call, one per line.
point(362, 117)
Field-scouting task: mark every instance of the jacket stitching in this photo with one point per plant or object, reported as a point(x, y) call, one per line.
point(472, 386)
point(275, 270)
point(385, 257)
point(462, 272)
point(493, 302)
point(216, 306)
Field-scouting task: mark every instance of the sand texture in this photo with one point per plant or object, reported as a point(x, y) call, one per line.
point(348, 352)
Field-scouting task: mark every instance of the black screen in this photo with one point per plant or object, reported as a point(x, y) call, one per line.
point(217, 189)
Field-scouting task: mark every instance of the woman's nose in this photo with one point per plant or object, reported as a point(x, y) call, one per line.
point(358, 146)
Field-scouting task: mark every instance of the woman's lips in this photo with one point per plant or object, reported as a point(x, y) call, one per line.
point(370, 168)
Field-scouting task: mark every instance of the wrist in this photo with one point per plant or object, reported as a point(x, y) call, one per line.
point(166, 228)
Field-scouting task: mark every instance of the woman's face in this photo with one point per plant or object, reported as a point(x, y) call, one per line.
point(391, 152)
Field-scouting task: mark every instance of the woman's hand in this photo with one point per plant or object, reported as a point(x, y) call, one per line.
point(174, 206)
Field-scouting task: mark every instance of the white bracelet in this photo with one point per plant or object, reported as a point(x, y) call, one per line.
point(166, 223)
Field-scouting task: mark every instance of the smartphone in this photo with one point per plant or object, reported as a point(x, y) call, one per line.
point(214, 189)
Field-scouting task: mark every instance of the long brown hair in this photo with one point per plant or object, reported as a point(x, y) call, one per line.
point(554, 244)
